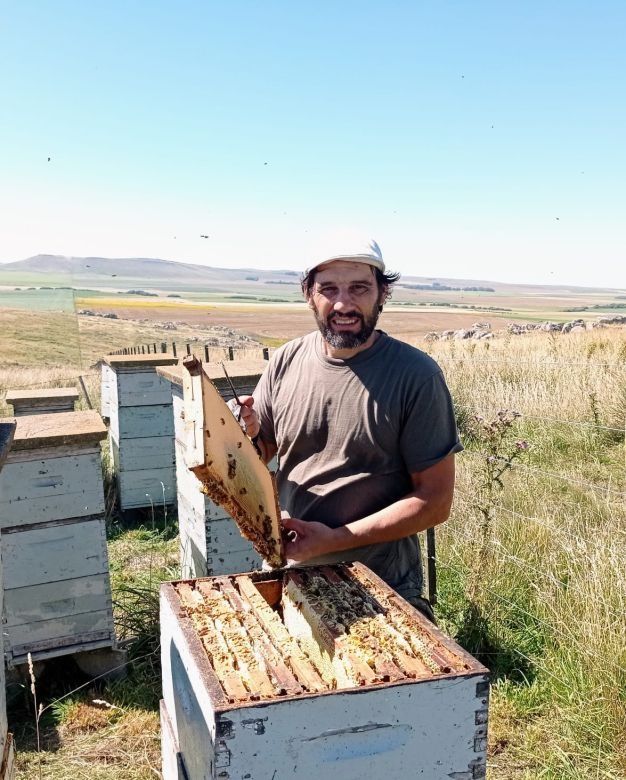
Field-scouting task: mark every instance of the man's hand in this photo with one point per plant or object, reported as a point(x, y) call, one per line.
point(249, 417)
point(307, 539)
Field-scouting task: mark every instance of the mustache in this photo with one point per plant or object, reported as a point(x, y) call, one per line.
point(334, 314)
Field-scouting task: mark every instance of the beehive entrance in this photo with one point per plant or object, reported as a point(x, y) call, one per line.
point(308, 631)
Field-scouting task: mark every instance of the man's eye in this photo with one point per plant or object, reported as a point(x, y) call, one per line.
point(359, 289)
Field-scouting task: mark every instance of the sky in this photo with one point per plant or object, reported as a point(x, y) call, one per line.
point(472, 140)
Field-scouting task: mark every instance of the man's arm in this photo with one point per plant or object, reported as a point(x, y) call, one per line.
point(427, 505)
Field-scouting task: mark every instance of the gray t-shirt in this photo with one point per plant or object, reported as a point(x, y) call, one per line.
point(349, 433)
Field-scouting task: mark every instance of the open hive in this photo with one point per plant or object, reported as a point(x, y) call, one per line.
point(269, 675)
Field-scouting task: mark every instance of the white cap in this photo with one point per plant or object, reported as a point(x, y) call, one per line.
point(367, 252)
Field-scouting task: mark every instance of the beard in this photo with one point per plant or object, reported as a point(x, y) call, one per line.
point(344, 339)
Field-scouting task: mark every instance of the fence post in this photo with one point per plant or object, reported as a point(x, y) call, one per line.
point(231, 353)
point(206, 354)
point(174, 348)
point(164, 346)
point(266, 353)
point(188, 349)
point(431, 557)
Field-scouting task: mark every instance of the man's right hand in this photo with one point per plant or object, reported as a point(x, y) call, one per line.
point(249, 417)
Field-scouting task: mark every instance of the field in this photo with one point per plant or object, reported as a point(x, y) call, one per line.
point(530, 565)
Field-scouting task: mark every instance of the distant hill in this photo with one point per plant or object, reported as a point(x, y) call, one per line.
point(147, 268)
point(160, 274)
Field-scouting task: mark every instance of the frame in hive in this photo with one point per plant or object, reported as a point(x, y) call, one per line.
point(228, 466)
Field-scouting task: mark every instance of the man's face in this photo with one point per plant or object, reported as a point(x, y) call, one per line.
point(345, 300)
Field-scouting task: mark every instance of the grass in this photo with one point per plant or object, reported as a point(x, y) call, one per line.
point(530, 565)
point(546, 607)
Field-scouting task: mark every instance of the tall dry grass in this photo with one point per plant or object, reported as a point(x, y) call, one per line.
point(533, 568)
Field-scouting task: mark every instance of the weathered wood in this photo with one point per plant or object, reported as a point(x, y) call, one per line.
point(7, 432)
point(146, 487)
point(132, 361)
point(149, 452)
point(226, 462)
point(293, 655)
point(58, 633)
point(53, 553)
point(433, 725)
point(53, 600)
point(41, 401)
point(244, 374)
point(136, 422)
point(44, 489)
point(57, 430)
point(139, 387)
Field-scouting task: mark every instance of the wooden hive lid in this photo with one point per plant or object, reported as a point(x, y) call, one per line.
point(56, 430)
point(138, 361)
point(247, 370)
point(231, 471)
point(7, 431)
point(40, 394)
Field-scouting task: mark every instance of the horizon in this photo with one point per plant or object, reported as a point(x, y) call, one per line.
point(435, 279)
point(481, 142)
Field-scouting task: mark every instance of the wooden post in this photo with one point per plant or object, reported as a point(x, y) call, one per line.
point(87, 398)
point(431, 559)
point(164, 346)
point(206, 354)
point(231, 353)
point(266, 353)
point(174, 348)
point(188, 349)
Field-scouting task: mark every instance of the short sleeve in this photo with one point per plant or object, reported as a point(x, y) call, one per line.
point(429, 433)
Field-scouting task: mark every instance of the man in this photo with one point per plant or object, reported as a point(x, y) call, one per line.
point(363, 427)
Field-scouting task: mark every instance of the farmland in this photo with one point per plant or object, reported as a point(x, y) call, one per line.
point(530, 564)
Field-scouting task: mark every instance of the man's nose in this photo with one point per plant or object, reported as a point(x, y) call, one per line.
point(343, 299)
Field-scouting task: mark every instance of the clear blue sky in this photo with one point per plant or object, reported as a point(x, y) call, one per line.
point(482, 140)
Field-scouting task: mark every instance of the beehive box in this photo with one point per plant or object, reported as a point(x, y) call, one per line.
point(7, 431)
point(48, 401)
point(210, 542)
point(57, 597)
point(312, 672)
point(138, 404)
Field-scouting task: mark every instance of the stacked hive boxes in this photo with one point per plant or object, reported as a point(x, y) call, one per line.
point(7, 431)
point(141, 427)
point(57, 597)
point(57, 399)
point(313, 673)
point(210, 542)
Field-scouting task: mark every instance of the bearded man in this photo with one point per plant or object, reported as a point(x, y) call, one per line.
point(363, 427)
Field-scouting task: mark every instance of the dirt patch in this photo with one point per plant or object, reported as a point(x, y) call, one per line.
point(289, 321)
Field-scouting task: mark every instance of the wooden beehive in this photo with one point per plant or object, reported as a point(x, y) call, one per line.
point(46, 401)
point(7, 431)
point(57, 597)
point(210, 542)
point(311, 672)
point(138, 403)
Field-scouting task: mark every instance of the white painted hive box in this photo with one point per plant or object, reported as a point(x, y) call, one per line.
point(310, 673)
point(7, 431)
point(210, 542)
point(139, 408)
point(57, 597)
